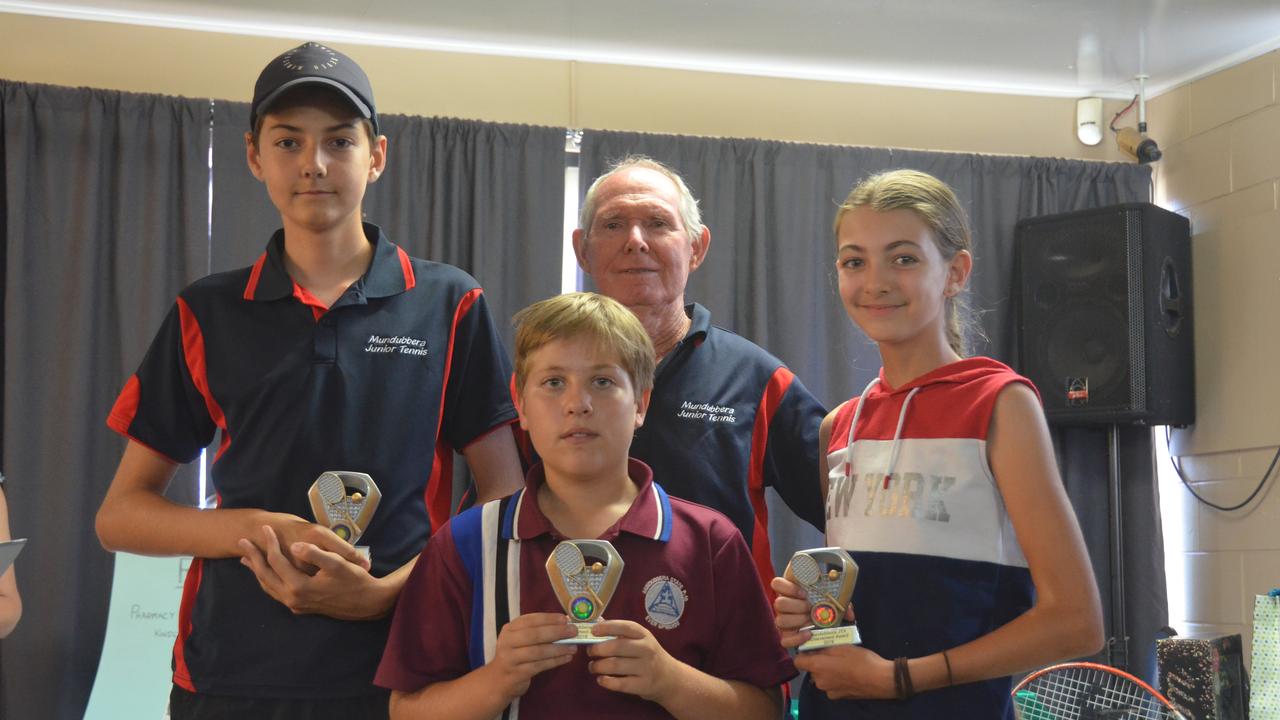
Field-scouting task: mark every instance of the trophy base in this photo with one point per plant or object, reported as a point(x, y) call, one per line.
point(831, 637)
point(364, 552)
point(584, 636)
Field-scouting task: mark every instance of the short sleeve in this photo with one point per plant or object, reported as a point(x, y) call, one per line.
point(478, 395)
point(160, 405)
point(428, 638)
point(747, 645)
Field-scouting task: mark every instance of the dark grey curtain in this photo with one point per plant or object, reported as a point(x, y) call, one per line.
point(770, 276)
point(105, 199)
point(106, 216)
point(486, 197)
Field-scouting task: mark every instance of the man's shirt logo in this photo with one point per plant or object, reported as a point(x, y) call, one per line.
point(396, 345)
point(707, 412)
point(664, 601)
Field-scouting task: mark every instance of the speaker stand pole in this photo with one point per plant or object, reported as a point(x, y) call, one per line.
point(1118, 643)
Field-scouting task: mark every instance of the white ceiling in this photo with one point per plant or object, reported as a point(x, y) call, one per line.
point(1070, 48)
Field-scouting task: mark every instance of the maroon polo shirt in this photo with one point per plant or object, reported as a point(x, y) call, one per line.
point(688, 579)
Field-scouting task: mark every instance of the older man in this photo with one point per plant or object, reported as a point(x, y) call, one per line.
point(726, 419)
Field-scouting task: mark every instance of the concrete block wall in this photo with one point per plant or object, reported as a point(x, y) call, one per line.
point(1221, 137)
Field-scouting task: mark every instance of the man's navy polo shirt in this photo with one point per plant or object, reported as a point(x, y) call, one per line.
point(688, 579)
point(402, 369)
point(725, 421)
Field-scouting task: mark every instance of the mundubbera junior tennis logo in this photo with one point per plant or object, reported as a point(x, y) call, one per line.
point(397, 345)
point(708, 412)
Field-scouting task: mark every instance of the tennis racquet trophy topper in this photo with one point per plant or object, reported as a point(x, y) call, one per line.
point(344, 501)
point(827, 576)
point(584, 575)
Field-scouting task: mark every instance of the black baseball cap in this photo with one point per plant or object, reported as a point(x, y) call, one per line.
point(313, 63)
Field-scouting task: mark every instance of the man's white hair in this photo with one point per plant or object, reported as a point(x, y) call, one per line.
point(690, 217)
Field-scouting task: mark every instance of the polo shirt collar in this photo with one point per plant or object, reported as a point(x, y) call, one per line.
point(389, 273)
point(700, 318)
point(649, 515)
point(699, 326)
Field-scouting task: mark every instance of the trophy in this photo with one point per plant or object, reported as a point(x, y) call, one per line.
point(584, 575)
point(344, 501)
point(827, 576)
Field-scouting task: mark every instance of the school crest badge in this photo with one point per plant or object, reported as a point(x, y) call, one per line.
point(664, 601)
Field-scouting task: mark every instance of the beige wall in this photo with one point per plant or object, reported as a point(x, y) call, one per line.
point(1221, 137)
point(557, 93)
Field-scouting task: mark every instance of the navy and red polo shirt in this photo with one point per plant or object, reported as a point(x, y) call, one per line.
point(402, 369)
point(725, 421)
point(688, 579)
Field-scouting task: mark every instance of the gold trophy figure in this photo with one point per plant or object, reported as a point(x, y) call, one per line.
point(584, 589)
point(827, 576)
point(344, 501)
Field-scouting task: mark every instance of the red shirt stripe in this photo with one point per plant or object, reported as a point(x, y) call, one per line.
point(193, 352)
point(407, 268)
point(251, 287)
point(125, 407)
point(190, 586)
point(769, 403)
point(439, 495)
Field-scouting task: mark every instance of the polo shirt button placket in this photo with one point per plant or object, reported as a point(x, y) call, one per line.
point(326, 343)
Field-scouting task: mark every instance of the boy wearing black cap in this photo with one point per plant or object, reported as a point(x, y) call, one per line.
point(334, 351)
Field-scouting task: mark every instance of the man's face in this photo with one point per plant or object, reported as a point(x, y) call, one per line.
point(637, 250)
point(316, 162)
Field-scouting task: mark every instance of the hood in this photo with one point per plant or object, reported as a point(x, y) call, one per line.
point(957, 373)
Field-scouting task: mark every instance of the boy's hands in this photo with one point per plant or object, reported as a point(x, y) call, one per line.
point(291, 530)
point(334, 582)
point(633, 662)
point(525, 649)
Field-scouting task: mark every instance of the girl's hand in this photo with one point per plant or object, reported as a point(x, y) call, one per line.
point(791, 609)
point(849, 671)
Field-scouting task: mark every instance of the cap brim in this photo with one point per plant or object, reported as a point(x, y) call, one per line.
point(264, 106)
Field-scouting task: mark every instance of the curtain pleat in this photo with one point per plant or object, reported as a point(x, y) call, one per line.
point(105, 206)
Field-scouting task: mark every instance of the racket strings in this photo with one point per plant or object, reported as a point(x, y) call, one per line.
point(1064, 694)
point(805, 569)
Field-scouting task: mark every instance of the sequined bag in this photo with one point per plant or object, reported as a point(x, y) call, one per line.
point(1264, 698)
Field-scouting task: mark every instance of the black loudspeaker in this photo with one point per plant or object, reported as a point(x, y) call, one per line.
point(1104, 315)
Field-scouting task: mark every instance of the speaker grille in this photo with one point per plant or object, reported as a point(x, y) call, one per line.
point(1137, 343)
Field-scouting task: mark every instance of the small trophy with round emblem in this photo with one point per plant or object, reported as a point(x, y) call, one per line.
point(827, 576)
point(344, 501)
point(584, 575)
